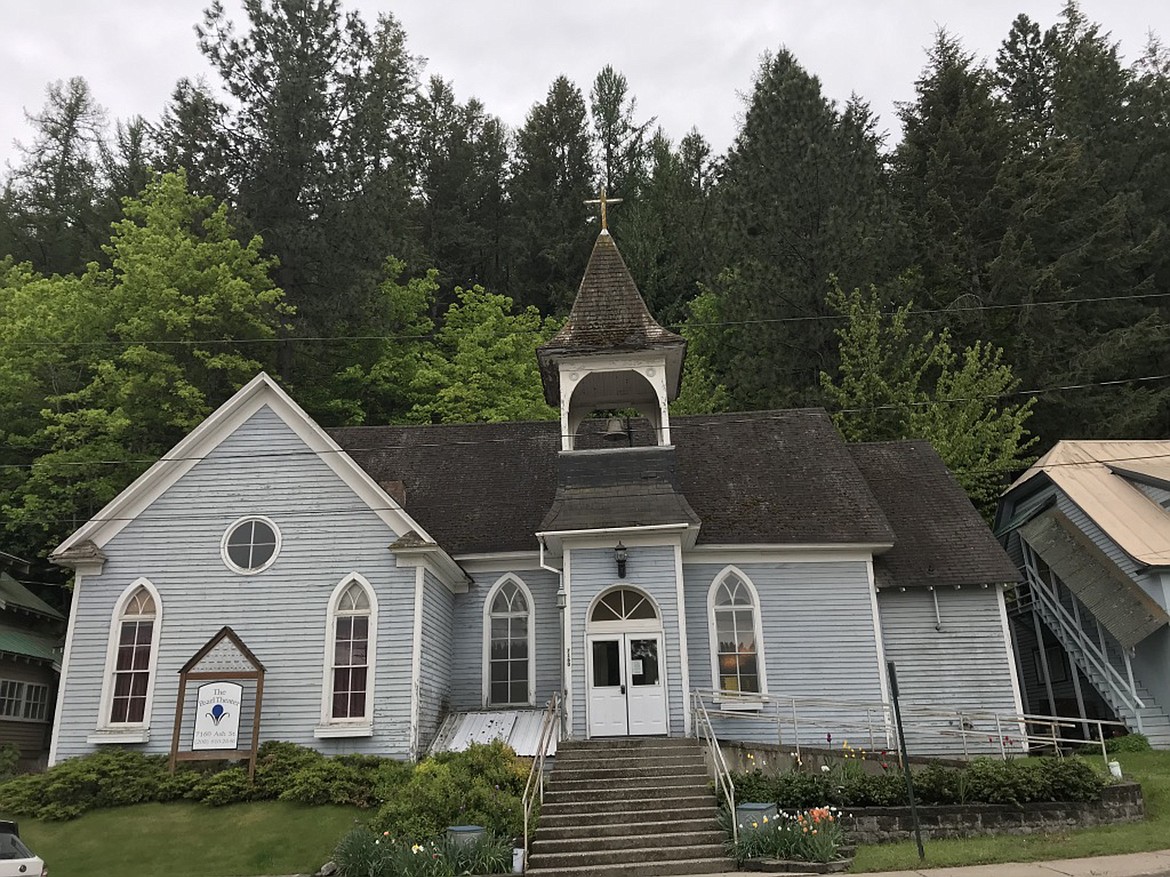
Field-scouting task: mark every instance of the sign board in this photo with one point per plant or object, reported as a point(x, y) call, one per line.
point(217, 716)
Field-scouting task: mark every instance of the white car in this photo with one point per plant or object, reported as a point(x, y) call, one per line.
point(17, 860)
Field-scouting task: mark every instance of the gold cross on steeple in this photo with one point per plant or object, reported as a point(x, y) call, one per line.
point(603, 201)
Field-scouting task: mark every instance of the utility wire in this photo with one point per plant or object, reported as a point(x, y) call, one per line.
point(551, 437)
point(316, 339)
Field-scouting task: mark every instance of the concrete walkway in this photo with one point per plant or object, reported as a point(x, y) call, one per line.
point(1156, 864)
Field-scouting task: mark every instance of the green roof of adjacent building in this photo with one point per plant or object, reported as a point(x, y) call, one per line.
point(27, 644)
point(14, 595)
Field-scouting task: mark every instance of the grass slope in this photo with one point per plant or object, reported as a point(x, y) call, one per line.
point(1151, 769)
point(191, 840)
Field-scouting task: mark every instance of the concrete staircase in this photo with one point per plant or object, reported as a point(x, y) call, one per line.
point(629, 807)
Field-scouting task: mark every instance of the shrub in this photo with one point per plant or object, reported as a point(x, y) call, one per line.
point(1128, 743)
point(230, 786)
point(9, 758)
point(276, 763)
point(110, 778)
point(986, 781)
point(482, 786)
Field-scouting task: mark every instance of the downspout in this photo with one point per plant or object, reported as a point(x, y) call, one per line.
point(562, 604)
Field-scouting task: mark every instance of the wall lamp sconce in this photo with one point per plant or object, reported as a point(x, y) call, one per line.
point(620, 554)
point(561, 597)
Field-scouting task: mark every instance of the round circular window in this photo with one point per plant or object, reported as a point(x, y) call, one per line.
point(250, 545)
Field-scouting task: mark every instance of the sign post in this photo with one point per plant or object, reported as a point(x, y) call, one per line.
point(223, 666)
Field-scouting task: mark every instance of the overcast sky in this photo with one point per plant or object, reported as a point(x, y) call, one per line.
point(687, 61)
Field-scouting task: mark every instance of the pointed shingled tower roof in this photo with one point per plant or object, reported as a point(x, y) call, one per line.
point(608, 315)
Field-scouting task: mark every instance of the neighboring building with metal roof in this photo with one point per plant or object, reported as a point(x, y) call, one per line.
point(30, 653)
point(390, 578)
point(1089, 526)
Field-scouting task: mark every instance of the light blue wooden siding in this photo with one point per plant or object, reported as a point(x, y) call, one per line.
point(264, 469)
point(436, 658)
point(467, 673)
point(1151, 666)
point(651, 569)
point(819, 638)
point(965, 665)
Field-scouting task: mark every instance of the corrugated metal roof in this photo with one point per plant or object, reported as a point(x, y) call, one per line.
point(1085, 471)
point(520, 729)
point(27, 644)
point(13, 593)
point(1122, 607)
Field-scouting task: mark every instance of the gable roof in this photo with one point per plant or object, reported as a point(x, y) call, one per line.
point(608, 315)
point(14, 595)
point(29, 644)
point(939, 537)
point(1096, 476)
point(262, 391)
point(763, 478)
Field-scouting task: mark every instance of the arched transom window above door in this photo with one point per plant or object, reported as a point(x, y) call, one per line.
point(624, 604)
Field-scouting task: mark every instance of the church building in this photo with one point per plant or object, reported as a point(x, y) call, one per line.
point(376, 581)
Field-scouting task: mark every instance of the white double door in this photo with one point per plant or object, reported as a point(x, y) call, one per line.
point(626, 677)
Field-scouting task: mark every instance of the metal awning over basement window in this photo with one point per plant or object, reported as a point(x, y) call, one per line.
point(1119, 603)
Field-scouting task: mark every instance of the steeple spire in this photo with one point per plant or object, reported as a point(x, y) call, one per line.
point(611, 353)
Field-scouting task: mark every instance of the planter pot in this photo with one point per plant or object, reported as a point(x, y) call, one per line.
point(792, 866)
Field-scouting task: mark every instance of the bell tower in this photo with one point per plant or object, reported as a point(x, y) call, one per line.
point(611, 353)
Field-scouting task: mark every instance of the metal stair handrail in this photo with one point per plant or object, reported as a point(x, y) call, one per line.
point(706, 734)
point(1092, 652)
point(534, 787)
point(792, 718)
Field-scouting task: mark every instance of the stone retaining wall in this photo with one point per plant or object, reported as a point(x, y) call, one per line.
point(1119, 803)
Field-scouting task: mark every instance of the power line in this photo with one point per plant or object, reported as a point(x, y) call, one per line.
point(348, 339)
point(554, 437)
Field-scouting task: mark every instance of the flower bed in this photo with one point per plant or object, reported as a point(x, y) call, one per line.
point(809, 837)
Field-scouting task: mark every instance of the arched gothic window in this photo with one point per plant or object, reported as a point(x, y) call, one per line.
point(509, 644)
point(737, 644)
point(131, 657)
point(349, 654)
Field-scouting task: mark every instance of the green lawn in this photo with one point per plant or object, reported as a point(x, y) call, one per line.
point(1151, 769)
point(191, 840)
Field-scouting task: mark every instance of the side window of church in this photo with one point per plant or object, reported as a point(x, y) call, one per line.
point(351, 653)
point(508, 656)
point(736, 629)
point(132, 661)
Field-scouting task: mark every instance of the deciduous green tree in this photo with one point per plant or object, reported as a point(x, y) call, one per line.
point(483, 364)
point(895, 382)
point(102, 372)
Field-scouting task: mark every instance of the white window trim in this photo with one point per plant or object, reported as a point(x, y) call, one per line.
point(223, 545)
point(487, 640)
point(363, 726)
point(745, 701)
point(22, 703)
point(128, 732)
